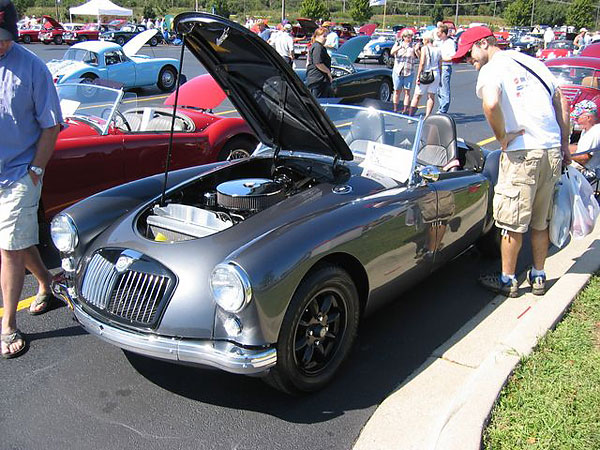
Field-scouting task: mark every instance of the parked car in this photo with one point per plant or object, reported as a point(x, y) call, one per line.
point(266, 265)
point(52, 31)
point(556, 49)
point(109, 139)
point(29, 35)
point(89, 32)
point(127, 32)
point(88, 61)
point(577, 77)
point(379, 48)
point(591, 50)
point(352, 84)
point(302, 34)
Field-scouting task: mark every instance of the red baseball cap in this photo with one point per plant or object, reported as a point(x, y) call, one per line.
point(468, 38)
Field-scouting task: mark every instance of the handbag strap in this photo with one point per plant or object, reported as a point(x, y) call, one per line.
point(535, 75)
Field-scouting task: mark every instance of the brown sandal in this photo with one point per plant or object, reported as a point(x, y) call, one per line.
point(41, 301)
point(11, 338)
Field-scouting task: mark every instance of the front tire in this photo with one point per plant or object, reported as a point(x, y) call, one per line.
point(385, 91)
point(317, 333)
point(26, 39)
point(120, 40)
point(153, 42)
point(58, 40)
point(167, 79)
point(82, 38)
point(386, 58)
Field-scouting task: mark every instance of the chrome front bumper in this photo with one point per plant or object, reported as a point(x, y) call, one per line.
point(218, 354)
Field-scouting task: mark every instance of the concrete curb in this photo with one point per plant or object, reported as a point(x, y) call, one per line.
point(446, 403)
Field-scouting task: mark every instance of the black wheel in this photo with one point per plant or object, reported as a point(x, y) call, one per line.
point(385, 58)
point(153, 42)
point(46, 42)
point(82, 38)
point(58, 40)
point(87, 92)
point(385, 91)
point(237, 148)
point(489, 243)
point(167, 79)
point(26, 39)
point(317, 333)
point(120, 40)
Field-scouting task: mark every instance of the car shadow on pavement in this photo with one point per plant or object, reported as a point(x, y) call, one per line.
point(461, 118)
point(392, 343)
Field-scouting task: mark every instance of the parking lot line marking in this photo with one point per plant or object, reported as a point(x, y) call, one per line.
point(225, 112)
point(145, 99)
point(486, 141)
point(21, 305)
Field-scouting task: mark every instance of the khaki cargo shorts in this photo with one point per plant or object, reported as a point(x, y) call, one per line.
point(19, 214)
point(524, 193)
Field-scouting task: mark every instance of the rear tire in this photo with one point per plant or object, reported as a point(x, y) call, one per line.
point(82, 38)
point(153, 42)
point(385, 58)
point(120, 40)
point(58, 40)
point(236, 148)
point(385, 91)
point(317, 333)
point(167, 79)
point(26, 39)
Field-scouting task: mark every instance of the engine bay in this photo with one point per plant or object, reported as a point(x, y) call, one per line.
point(229, 195)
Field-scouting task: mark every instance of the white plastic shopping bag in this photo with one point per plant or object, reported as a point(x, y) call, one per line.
point(585, 206)
point(562, 212)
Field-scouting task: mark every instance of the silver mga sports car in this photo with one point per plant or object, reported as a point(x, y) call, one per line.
point(265, 266)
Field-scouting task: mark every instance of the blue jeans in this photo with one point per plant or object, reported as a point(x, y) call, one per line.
point(444, 90)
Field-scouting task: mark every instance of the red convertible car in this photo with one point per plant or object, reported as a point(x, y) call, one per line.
point(52, 31)
point(108, 139)
point(556, 49)
point(577, 77)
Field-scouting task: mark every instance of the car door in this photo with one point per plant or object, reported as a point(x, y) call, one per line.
point(462, 201)
point(120, 68)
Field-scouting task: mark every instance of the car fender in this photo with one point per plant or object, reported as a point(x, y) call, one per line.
point(221, 131)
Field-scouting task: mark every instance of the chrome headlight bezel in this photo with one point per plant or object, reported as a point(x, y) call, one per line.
point(232, 275)
point(64, 234)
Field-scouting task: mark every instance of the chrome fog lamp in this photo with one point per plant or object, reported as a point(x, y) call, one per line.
point(64, 233)
point(230, 287)
point(233, 326)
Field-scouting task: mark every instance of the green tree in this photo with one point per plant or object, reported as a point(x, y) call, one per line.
point(22, 5)
point(581, 14)
point(360, 11)
point(222, 8)
point(437, 12)
point(314, 9)
point(518, 13)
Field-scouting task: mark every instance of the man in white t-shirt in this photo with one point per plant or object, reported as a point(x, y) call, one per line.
point(283, 42)
point(548, 36)
point(586, 153)
point(529, 117)
point(332, 42)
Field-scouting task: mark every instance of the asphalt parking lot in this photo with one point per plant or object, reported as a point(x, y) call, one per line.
point(72, 391)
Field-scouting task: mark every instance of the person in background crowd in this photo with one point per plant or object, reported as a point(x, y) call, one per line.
point(30, 118)
point(404, 55)
point(150, 24)
point(283, 42)
point(263, 31)
point(582, 39)
point(318, 67)
point(447, 49)
point(586, 153)
point(548, 36)
point(332, 41)
point(431, 60)
point(143, 21)
point(529, 117)
point(33, 22)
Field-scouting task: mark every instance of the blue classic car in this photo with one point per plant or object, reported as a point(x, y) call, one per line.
point(379, 48)
point(87, 61)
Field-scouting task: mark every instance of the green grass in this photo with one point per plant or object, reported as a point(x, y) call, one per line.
point(553, 399)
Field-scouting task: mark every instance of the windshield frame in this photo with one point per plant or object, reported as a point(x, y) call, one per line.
point(103, 130)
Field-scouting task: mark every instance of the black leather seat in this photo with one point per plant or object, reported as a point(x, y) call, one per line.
point(438, 145)
point(367, 126)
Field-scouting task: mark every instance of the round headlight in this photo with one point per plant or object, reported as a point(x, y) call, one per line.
point(64, 233)
point(230, 287)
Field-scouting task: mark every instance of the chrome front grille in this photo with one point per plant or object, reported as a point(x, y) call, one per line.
point(132, 296)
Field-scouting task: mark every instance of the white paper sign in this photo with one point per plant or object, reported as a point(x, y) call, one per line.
point(388, 160)
point(68, 107)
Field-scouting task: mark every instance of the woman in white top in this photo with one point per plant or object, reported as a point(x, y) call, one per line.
point(431, 60)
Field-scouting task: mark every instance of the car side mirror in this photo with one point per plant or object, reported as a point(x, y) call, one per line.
point(430, 173)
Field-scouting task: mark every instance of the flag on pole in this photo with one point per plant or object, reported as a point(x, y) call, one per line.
point(376, 2)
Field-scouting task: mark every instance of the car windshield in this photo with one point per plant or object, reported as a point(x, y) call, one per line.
point(96, 105)
point(581, 76)
point(561, 45)
point(128, 28)
point(382, 142)
point(79, 54)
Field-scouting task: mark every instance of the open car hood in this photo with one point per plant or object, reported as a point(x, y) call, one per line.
point(308, 24)
point(137, 42)
point(352, 47)
point(52, 22)
point(261, 85)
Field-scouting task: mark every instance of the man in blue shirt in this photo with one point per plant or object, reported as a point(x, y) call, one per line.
point(30, 120)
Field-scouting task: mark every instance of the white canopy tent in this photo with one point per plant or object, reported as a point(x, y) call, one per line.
point(99, 8)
